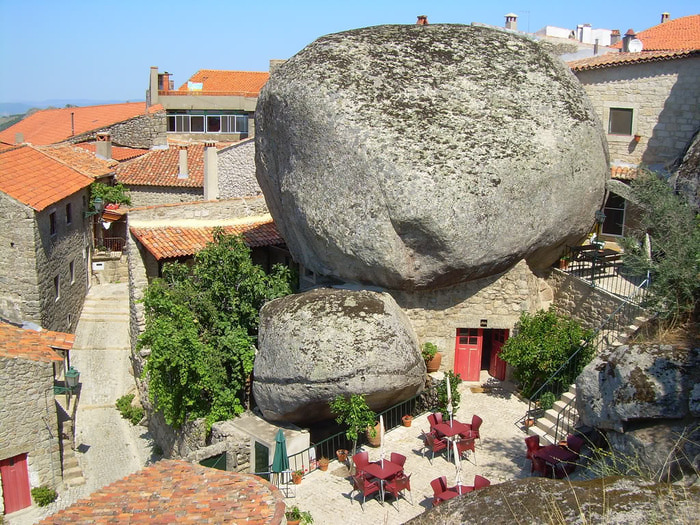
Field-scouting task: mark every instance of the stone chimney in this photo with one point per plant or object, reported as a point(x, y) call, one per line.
point(629, 36)
point(103, 146)
point(19, 138)
point(665, 17)
point(182, 164)
point(512, 21)
point(211, 172)
point(422, 20)
point(614, 36)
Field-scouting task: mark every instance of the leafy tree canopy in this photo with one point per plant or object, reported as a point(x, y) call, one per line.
point(201, 328)
point(674, 267)
point(116, 194)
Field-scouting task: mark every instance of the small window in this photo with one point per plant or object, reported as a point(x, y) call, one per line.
point(69, 213)
point(614, 215)
point(197, 124)
point(52, 222)
point(57, 287)
point(213, 124)
point(620, 122)
point(71, 270)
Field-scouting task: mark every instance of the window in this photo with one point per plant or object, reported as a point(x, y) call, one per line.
point(71, 271)
point(620, 121)
point(215, 123)
point(69, 213)
point(614, 215)
point(57, 287)
point(52, 223)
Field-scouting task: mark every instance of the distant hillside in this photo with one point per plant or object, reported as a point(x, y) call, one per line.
point(20, 108)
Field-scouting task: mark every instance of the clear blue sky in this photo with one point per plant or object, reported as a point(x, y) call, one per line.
point(102, 49)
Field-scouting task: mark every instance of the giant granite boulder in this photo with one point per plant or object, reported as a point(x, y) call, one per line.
point(416, 157)
point(315, 345)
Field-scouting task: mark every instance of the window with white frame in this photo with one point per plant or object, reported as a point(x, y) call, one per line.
point(214, 123)
point(620, 121)
point(614, 215)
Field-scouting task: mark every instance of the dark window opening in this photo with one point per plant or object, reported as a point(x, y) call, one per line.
point(620, 121)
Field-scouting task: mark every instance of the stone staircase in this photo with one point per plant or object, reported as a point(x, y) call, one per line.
point(108, 307)
point(72, 473)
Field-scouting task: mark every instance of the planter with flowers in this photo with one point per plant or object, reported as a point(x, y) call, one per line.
point(407, 420)
point(323, 463)
point(296, 476)
point(297, 517)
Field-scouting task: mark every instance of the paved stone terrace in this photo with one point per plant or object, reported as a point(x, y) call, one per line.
point(500, 457)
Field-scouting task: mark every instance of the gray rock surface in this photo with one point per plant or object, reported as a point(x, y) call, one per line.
point(421, 156)
point(638, 382)
point(316, 345)
point(687, 177)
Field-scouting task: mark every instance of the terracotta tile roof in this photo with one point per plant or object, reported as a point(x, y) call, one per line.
point(119, 153)
point(80, 160)
point(617, 59)
point(172, 491)
point(161, 167)
point(214, 81)
point(50, 126)
point(21, 343)
point(680, 33)
point(168, 242)
point(37, 180)
point(623, 172)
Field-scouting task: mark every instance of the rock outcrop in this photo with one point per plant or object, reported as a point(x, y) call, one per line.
point(316, 345)
point(416, 157)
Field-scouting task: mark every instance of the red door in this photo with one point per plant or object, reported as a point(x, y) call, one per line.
point(15, 483)
point(497, 366)
point(468, 353)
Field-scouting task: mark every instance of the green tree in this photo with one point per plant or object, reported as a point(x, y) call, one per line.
point(455, 380)
point(355, 413)
point(674, 267)
point(545, 341)
point(116, 194)
point(201, 328)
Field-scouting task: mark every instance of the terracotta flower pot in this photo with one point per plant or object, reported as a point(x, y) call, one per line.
point(293, 522)
point(529, 422)
point(373, 441)
point(342, 455)
point(296, 478)
point(406, 420)
point(323, 465)
point(434, 364)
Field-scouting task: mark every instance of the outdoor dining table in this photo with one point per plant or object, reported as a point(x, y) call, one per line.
point(555, 454)
point(382, 472)
point(450, 431)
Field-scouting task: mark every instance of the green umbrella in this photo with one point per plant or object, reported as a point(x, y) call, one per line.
point(280, 462)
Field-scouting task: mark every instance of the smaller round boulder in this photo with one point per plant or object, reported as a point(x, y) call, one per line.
point(316, 345)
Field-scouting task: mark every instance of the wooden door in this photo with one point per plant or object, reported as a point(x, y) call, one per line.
point(497, 366)
point(15, 483)
point(468, 353)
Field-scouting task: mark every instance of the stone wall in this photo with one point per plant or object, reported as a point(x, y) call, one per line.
point(237, 171)
point(499, 300)
point(155, 195)
point(144, 131)
point(665, 100)
point(26, 391)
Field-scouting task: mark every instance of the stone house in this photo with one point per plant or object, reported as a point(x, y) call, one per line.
point(211, 105)
point(649, 105)
point(45, 241)
point(29, 433)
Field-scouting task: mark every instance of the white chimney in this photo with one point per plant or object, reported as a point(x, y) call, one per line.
point(211, 172)
point(665, 17)
point(19, 138)
point(512, 21)
point(103, 146)
point(182, 164)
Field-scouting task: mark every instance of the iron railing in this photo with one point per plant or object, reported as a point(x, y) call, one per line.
point(566, 420)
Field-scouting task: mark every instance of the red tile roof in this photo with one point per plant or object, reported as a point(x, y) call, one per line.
point(37, 180)
point(623, 172)
point(21, 343)
point(119, 153)
point(161, 167)
point(172, 491)
point(618, 59)
point(681, 33)
point(218, 82)
point(50, 126)
point(168, 242)
point(80, 160)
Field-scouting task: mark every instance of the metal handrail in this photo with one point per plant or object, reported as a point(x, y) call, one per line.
point(563, 415)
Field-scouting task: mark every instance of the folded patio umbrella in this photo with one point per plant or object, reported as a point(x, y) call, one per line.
point(458, 463)
point(449, 398)
point(381, 439)
point(280, 461)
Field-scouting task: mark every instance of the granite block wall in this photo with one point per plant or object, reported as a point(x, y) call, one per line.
point(237, 171)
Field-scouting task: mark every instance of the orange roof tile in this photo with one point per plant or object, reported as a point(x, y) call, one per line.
point(161, 167)
point(618, 59)
point(680, 33)
point(623, 172)
point(171, 491)
point(119, 153)
point(22, 343)
point(37, 180)
point(168, 242)
point(214, 81)
point(80, 160)
point(50, 126)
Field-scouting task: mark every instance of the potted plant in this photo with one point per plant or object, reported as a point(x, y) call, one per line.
point(323, 463)
point(373, 437)
point(407, 420)
point(432, 357)
point(297, 517)
point(564, 262)
point(342, 455)
point(296, 476)
point(355, 413)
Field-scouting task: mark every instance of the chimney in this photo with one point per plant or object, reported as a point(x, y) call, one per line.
point(512, 21)
point(182, 164)
point(164, 82)
point(422, 20)
point(211, 172)
point(665, 17)
point(614, 36)
point(629, 36)
point(103, 146)
point(72, 123)
point(19, 138)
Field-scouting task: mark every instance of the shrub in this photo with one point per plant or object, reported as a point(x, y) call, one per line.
point(133, 413)
point(44, 495)
point(455, 380)
point(428, 351)
point(547, 400)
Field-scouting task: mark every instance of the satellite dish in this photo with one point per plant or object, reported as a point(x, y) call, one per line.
point(635, 45)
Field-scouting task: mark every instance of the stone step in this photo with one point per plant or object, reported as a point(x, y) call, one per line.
point(545, 439)
point(74, 482)
point(572, 389)
point(70, 463)
point(72, 472)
